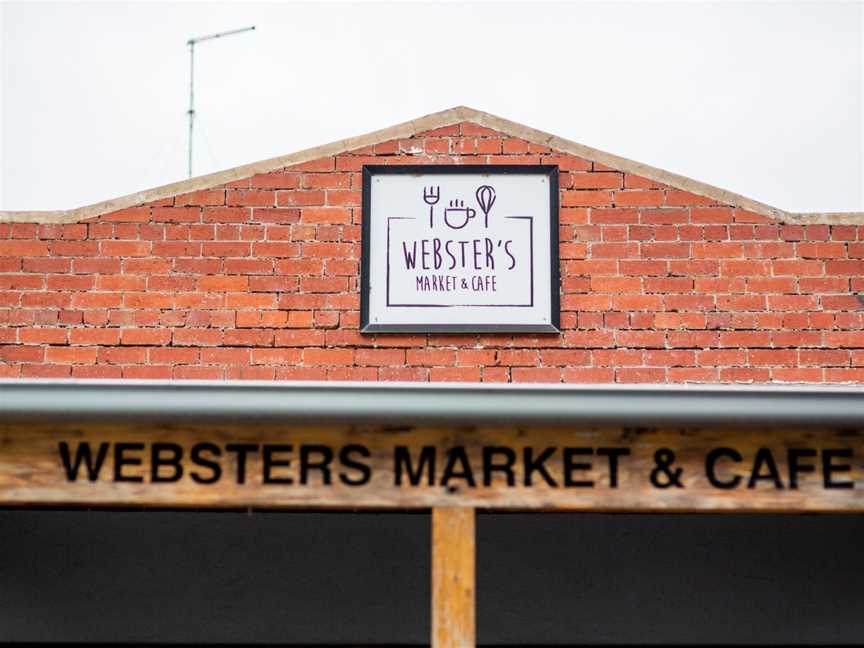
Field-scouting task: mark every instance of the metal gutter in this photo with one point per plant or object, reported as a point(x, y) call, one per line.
point(402, 403)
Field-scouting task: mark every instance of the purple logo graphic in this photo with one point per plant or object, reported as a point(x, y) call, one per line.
point(449, 267)
point(457, 215)
point(460, 213)
point(431, 195)
point(485, 198)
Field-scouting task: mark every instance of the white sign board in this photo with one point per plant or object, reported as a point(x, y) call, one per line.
point(460, 248)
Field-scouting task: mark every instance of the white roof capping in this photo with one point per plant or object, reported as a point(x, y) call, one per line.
point(413, 127)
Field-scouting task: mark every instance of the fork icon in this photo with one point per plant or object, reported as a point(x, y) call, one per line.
point(431, 195)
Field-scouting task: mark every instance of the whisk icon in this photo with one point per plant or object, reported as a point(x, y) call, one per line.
point(485, 198)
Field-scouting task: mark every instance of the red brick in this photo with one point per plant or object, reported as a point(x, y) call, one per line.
point(43, 336)
point(328, 357)
point(275, 249)
point(792, 302)
point(176, 214)
point(202, 197)
point(198, 373)
point(300, 198)
point(132, 214)
point(475, 357)
point(640, 375)
point(145, 336)
point(676, 197)
point(455, 374)
point(403, 374)
point(771, 284)
point(614, 216)
point(174, 356)
point(597, 198)
point(637, 302)
point(845, 267)
point(665, 250)
point(277, 356)
point(774, 357)
point(691, 374)
point(224, 356)
point(278, 180)
point(96, 371)
point(249, 337)
point(39, 264)
point(595, 180)
point(379, 357)
point(319, 165)
point(824, 357)
point(250, 300)
point(220, 215)
point(822, 250)
point(797, 374)
point(663, 216)
point(197, 337)
point(474, 130)
point(123, 355)
point(743, 267)
point(618, 357)
point(585, 375)
point(46, 370)
point(568, 162)
point(641, 198)
point(249, 266)
point(90, 336)
point(148, 373)
point(28, 281)
point(70, 355)
point(638, 182)
point(238, 249)
point(641, 338)
point(614, 250)
point(299, 338)
point(17, 353)
point(431, 357)
point(722, 357)
point(352, 373)
point(845, 374)
point(318, 215)
point(223, 283)
point(325, 250)
point(251, 198)
point(344, 199)
point(151, 299)
point(23, 248)
point(535, 374)
point(174, 249)
point(573, 215)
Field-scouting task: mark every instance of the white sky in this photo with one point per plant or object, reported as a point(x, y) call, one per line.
point(764, 99)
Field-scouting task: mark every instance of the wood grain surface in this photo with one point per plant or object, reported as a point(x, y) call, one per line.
point(595, 469)
point(453, 577)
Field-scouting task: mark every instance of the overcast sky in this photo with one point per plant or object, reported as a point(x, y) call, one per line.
point(764, 99)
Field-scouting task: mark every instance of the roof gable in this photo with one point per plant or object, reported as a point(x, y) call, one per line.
point(414, 127)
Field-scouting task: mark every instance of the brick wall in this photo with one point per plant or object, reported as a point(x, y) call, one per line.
point(258, 279)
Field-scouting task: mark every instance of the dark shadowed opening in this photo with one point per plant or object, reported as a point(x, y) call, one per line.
point(363, 578)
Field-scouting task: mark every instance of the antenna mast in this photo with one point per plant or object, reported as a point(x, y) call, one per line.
point(191, 112)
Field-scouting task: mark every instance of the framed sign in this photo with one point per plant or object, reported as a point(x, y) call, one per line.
point(460, 249)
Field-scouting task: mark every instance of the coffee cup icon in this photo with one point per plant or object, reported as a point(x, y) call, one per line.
point(457, 215)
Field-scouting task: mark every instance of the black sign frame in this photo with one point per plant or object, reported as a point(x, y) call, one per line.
point(551, 171)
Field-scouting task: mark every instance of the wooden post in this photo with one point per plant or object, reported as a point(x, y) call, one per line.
point(453, 598)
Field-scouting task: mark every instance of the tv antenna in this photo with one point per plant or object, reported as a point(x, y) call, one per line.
point(192, 42)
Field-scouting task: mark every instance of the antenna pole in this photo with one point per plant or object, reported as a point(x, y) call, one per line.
point(191, 112)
